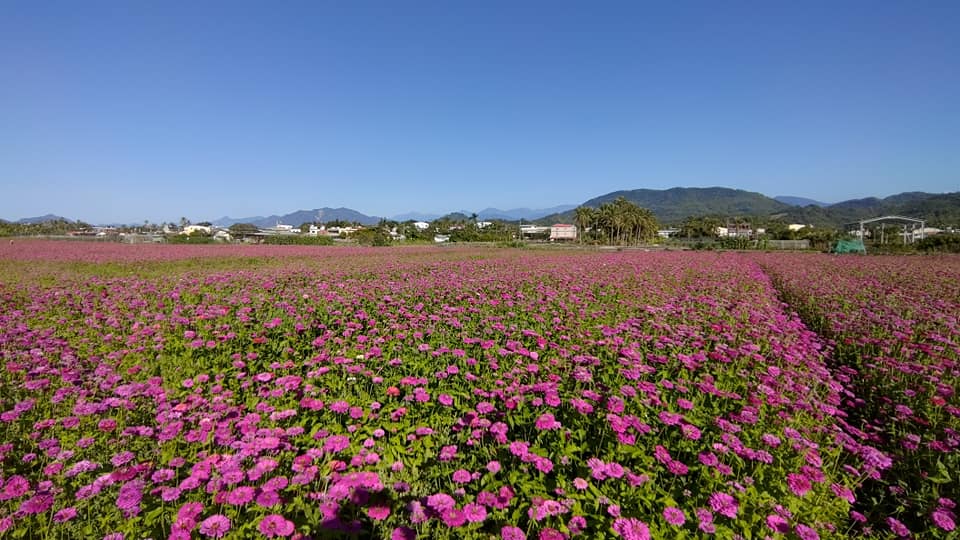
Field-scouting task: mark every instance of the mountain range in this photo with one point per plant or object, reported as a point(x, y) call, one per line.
point(670, 206)
point(324, 214)
point(798, 201)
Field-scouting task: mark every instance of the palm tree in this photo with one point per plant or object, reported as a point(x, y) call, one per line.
point(584, 217)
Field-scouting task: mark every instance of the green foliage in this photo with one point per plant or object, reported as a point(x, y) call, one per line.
point(298, 240)
point(372, 237)
point(52, 227)
point(243, 228)
point(619, 222)
point(192, 238)
point(940, 243)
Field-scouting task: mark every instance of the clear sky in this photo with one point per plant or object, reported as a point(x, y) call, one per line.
point(121, 111)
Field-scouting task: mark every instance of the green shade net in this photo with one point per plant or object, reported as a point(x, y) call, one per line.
point(849, 246)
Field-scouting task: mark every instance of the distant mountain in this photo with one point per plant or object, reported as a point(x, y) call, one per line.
point(302, 216)
point(415, 216)
point(936, 208)
point(515, 214)
point(42, 219)
point(799, 201)
point(671, 206)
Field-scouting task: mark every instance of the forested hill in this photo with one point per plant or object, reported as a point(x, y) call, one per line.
point(676, 204)
point(672, 206)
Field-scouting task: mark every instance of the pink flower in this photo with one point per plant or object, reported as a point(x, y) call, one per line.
point(898, 528)
point(66, 514)
point(674, 515)
point(807, 533)
point(475, 513)
point(403, 533)
point(944, 519)
point(724, 504)
point(778, 524)
point(546, 422)
point(631, 529)
point(461, 476)
point(378, 512)
point(275, 525)
point(509, 532)
point(215, 526)
point(799, 484)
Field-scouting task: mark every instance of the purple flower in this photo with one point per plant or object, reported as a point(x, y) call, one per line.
point(547, 421)
point(454, 517)
point(799, 484)
point(16, 486)
point(66, 514)
point(509, 532)
point(631, 529)
point(275, 525)
point(475, 513)
point(240, 496)
point(897, 527)
point(807, 533)
point(461, 476)
point(724, 504)
point(944, 519)
point(440, 502)
point(37, 504)
point(403, 533)
point(778, 524)
point(215, 526)
point(674, 515)
point(378, 512)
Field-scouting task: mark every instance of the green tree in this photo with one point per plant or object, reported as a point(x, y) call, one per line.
point(584, 216)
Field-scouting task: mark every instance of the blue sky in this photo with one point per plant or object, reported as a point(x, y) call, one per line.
point(119, 111)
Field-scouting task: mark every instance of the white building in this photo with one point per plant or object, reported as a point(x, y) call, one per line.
point(190, 229)
point(563, 231)
point(421, 225)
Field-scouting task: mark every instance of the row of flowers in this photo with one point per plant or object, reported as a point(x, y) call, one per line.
point(893, 329)
point(438, 394)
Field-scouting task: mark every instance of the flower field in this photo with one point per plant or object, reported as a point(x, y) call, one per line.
point(218, 392)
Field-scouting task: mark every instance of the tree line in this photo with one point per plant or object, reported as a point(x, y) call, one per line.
point(619, 222)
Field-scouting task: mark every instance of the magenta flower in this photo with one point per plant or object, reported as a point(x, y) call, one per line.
point(897, 527)
point(674, 515)
point(509, 532)
point(215, 526)
point(547, 421)
point(943, 519)
point(461, 476)
point(724, 504)
point(15, 487)
point(403, 533)
point(37, 504)
point(64, 515)
point(799, 484)
point(275, 525)
point(807, 533)
point(475, 513)
point(378, 512)
point(631, 529)
point(778, 524)
point(454, 517)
